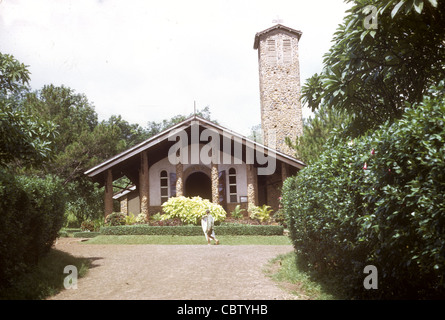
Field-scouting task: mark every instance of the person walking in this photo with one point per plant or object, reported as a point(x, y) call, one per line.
point(208, 223)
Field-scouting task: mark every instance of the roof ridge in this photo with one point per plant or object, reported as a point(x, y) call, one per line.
point(298, 33)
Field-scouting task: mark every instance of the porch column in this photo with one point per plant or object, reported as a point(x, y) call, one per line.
point(144, 184)
point(215, 182)
point(108, 198)
point(252, 184)
point(179, 180)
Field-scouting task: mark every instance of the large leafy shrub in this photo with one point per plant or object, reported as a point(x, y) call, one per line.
point(47, 206)
point(31, 215)
point(378, 200)
point(191, 210)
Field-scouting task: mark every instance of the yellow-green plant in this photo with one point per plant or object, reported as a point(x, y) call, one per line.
point(237, 213)
point(156, 217)
point(141, 218)
point(262, 213)
point(191, 210)
point(130, 219)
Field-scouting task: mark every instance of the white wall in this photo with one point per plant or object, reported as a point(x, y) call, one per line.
point(164, 164)
point(155, 181)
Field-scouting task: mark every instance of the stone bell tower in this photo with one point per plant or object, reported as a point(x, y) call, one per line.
point(280, 89)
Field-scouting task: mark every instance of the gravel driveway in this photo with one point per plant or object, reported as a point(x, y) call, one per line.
point(179, 272)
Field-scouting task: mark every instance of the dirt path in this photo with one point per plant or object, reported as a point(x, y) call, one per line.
point(188, 272)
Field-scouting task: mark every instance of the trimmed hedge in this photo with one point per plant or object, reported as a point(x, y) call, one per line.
point(86, 234)
point(251, 230)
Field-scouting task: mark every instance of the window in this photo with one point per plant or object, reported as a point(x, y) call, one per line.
point(164, 186)
point(287, 51)
point(232, 185)
point(271, 52)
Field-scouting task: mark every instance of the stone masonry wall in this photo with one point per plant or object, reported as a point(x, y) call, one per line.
point(280, 91)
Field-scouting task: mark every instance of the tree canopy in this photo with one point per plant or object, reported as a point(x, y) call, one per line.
point(56, 131)
point(372, 70)
point(24, 137)
point(316, 132)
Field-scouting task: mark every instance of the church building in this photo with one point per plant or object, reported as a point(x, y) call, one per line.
point(200, 158)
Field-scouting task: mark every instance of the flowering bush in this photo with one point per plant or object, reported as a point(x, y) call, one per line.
point(191, 210)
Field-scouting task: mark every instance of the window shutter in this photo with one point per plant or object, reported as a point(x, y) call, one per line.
point(287, 51)
point(271, 52)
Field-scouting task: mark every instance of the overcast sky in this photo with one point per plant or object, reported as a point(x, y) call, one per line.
point(150, 60)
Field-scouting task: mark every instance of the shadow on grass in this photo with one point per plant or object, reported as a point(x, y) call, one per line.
point(294, 276)
point(47, 277)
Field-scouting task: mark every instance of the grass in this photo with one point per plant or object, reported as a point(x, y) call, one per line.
point(46, 278)
point(189, 240)
point(285, 270)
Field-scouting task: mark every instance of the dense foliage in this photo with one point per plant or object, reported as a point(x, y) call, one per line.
point(24, 138)
point(377, 200)
point(383, 54)
point(316, 131)
point(31, 215)
point(48, 139)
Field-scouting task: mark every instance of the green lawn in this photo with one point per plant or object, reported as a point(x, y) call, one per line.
point(190, 240)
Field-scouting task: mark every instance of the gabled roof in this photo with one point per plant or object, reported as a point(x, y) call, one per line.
point(275, 27)
point(163, 136)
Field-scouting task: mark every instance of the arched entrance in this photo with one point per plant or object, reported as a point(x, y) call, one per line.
point(198, 184)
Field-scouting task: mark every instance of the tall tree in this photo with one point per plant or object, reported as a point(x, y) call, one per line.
point(132, 134)
point(316, 132)
point(154, 127)
point(71, 111)
point(373, 68)
point(25, 138)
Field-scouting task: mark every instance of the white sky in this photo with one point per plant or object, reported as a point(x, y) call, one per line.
point(150, 60)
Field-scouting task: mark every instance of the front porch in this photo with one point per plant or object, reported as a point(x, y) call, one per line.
point(232, 176)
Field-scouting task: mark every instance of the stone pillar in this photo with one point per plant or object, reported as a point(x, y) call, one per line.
point(108, 199)
point(124, 205)
point(144, 184)
point(179, 180)
point(215, 182)
point(252, 184)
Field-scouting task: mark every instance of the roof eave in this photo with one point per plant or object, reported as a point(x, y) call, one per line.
point(298, 33)
point(164, 135)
